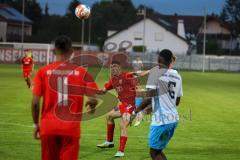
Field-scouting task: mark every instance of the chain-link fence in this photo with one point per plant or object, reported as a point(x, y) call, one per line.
point(194, 62)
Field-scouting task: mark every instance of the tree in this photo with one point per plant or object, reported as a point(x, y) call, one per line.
point(46, 10)
point(71, 7)
point(32, 10)
point(231, 14)
point(107, 14)
point(149, 10)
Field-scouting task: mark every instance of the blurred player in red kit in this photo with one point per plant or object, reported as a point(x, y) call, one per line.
point(125, 85)
point(62, 85)
point(27, 67)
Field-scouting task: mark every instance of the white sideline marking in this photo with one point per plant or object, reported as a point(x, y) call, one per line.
point(28, 126)
point(87, 135)
point(16, 124)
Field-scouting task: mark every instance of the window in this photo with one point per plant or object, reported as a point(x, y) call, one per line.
point(159, 36)
point(138, 35)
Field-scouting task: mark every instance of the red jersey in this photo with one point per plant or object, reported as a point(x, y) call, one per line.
point(62, 86)
point(27, 63)
point(125, 85)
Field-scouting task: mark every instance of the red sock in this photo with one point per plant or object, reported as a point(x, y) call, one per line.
point(123, 141)
point(110, 132)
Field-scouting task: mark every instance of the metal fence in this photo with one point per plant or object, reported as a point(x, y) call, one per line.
point(194, 62)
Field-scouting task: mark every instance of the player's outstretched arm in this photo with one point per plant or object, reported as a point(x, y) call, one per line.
point(33, 67)
point(140, 73)
point(142, 106)
point(102, 91)
point(146, 93)
point(178, 101)
point(144, 73)
point(35, 115)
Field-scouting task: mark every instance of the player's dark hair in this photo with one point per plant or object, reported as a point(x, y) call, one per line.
point(167, 57)
point(116, 62)
point(64, 44)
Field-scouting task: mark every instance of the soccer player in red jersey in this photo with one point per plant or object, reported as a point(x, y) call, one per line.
point(62, 86)
point(27, 67)
point(125, 85)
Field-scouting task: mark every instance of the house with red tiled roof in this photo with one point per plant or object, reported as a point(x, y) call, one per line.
point(216, 30)
point(11, 24)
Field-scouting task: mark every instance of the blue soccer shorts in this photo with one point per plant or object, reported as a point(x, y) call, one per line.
point(138, 101)
point(159, 136)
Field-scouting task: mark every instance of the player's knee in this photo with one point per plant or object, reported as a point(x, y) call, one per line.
point(126, 118)
point(123, 125)
point(109, 117)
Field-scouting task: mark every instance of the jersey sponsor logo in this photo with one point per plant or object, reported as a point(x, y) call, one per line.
point(165, 118)
point(76, 73)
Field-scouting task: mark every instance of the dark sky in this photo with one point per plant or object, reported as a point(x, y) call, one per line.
point(186, 7)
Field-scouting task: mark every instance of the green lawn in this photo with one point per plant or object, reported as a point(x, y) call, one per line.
point(209, 128)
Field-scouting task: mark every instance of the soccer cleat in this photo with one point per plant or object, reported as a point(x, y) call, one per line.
point(106, 145)
point(119, 154)
point(138, 119)
point(137, 123)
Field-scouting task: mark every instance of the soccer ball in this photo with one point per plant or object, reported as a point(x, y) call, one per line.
point(82, 11)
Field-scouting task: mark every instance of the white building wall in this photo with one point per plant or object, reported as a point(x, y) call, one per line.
point(165, 39)
point(213, 27)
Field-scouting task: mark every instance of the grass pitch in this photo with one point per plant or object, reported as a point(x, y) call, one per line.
point(208, 130)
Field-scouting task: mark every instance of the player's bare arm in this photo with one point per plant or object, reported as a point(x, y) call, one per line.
point(35, 115)
point(102, 91)
point(142, 106)
point(178, 101)
point(140, 73)
point(114, 114)
point(146, 93)
point(33, 67)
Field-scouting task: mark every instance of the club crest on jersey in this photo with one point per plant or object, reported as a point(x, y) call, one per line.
point(76, 73)
point(49, 72)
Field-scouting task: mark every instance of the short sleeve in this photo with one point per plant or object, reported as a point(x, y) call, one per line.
point(108, 85)
point(129, 75)
point(152, 79)
point(38, 84)
point(90, 85)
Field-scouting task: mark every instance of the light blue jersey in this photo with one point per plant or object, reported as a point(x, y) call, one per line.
point(169, 86)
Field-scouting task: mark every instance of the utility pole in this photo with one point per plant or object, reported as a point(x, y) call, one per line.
point(143, 12)
point(204, 39)
point(90, 31)
point(23, 23)
point(83, 24)
point(144, 28)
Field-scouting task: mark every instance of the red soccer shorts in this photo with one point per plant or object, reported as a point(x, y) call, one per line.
point(126, 108)
point(26, 73)
point(56, 147)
